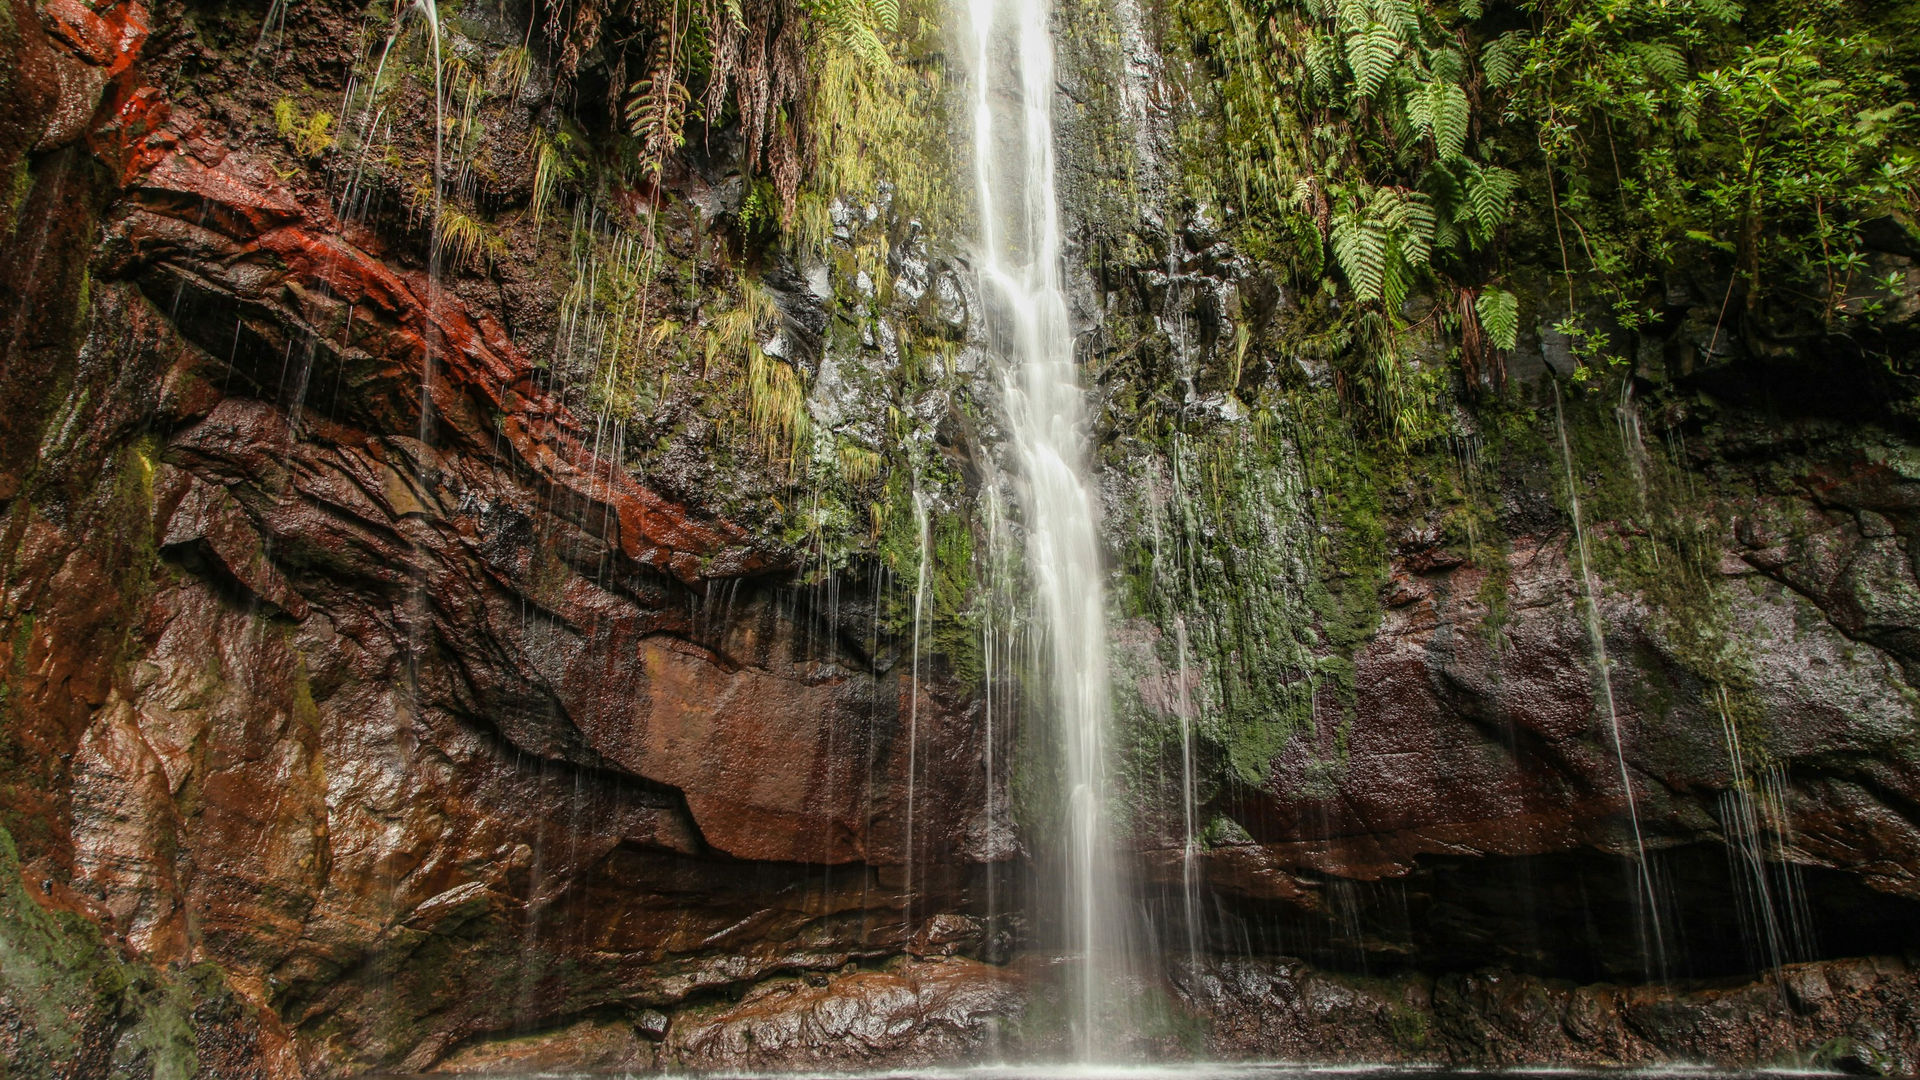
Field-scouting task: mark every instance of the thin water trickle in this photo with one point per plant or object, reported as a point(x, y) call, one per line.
point(1774, 919)
point(923, 529)
point(1190, 840)
point(1653, 938)
point(1019, 260)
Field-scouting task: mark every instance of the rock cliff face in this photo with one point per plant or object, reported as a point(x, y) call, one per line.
point(340, 666)
point(365, 706)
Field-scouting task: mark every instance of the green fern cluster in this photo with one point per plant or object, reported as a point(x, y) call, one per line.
point(1427, 150)
point(856, 26)
point(1415, 189)
point(1382, 242)
point(747, 62)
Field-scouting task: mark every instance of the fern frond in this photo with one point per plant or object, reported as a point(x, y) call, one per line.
point(1372, 53)
point(1400, 16)
point(1360, 245)
point(1500, 60)
point(1409, 214)
point(1660, 62)
point(850, 25)
point(1322, 59)
point(657, 115)
point(1443, 113)
point(1490, 191)
point(862, 39)
point(1499, 312)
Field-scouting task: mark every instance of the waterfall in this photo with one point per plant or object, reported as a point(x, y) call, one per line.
point(1019, 262)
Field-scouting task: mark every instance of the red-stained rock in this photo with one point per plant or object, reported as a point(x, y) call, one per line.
point(365, 711)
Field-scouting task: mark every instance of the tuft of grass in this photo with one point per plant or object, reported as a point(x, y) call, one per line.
point(465, 241)
point(315, 137)
point(777, 408)
point(736, 331)
point(309, 138)
point(511, 69)
point(553, 166)
point(859, 466)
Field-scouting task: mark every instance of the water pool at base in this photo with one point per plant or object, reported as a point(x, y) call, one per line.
point(1204, 1071)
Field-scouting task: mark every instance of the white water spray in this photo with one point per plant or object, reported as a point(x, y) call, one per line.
point(1019, 261)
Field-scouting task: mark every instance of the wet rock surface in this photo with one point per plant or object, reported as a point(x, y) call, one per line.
point(360, 714)
point(1848, 1016)
point(1856, 1014)
point(342, 668)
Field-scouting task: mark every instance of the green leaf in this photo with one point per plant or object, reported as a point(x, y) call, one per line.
point(1321, 58)
point(1400, 16)
point(1440, 109)
point(1360, 246)
point(1490, 191)
point(1372, 53)
point(1660, 61)
point(1499, 312)
point(1501, 58)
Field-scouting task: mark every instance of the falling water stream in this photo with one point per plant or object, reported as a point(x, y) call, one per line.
point(920, 580)
point(1653, 945)
point(1019, 260)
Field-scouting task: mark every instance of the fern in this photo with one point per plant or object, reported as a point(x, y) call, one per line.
point(1361, 245)
point(657, 116)
point(1322, 59)
point(1499, 312)
point(1489, 195)
point(1501, 58)
point(1409, 214)
point(851, 25)
point(1440, 109)
point(1382, 244)
point(1372, 52)
point(1400, 16)
point(1660, 62)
